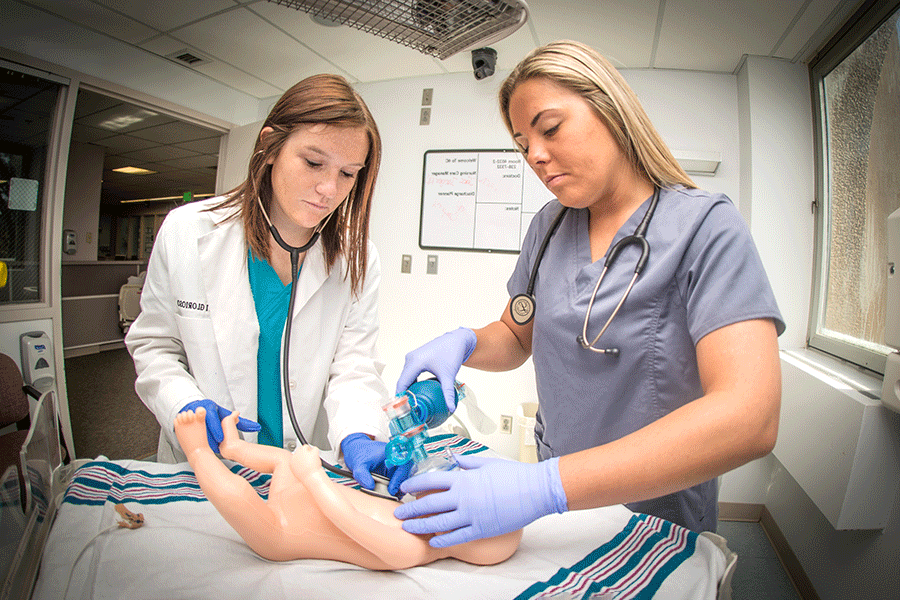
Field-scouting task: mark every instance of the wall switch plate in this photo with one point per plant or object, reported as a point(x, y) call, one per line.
point(431, 268)
point(425, 117)
point(506, 424)
point(406, 264)
point(426, 96)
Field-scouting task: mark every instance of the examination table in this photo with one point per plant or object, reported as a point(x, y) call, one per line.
point(185, 549)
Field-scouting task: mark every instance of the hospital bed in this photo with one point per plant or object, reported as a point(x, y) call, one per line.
point(184, 549)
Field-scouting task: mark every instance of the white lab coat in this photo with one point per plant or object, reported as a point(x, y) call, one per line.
point(197, 335)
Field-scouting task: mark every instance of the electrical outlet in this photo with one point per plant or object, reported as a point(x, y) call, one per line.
point(505, 424)
point(425, 116)
point(426, 96)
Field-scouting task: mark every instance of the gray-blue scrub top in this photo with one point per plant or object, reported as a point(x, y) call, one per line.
point(703, 273)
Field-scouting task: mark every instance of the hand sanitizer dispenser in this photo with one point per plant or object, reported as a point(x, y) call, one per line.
point(37, 360)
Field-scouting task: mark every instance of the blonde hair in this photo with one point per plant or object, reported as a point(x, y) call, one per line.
point(327, 99)
point(583, 71)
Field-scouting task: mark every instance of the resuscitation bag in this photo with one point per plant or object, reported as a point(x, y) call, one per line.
point(428, 402)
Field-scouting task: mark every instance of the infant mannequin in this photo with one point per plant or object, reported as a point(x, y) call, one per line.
point(307, 515)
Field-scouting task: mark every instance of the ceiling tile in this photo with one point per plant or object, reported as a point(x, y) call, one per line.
point(193, 162)
point(208, 145)
point(111, 162)
point(158, 154)
point(239, 80)
point(813, 28)
point(711, 35)
point(160, 167)
point(98, 18)
point(84, 133)
point(272, 55)
point(124, 118)
point(174, 14)
point(119, 144)
point(172, 133)
point(88, 103)
point(621, 30)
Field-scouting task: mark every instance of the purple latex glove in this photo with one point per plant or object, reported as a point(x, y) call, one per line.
point(365, 456)
point(489, 497)
point(214, 416)
point(442, 357)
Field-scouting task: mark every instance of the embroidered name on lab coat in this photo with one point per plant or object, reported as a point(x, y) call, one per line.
point(192, 305)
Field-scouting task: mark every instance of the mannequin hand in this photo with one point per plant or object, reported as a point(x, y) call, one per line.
point(365, 456)
point(214, 416)
point(489, 497)
point(442, 356)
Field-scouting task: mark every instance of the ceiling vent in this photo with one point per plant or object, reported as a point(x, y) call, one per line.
point(190, 58)
point(440, 28)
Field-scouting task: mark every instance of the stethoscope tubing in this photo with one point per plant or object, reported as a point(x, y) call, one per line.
point(295, 252)
point(637, 238)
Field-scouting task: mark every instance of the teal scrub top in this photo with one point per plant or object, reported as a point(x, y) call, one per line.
point(271, 298)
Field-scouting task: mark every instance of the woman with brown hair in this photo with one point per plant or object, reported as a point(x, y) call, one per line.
point(219, 287)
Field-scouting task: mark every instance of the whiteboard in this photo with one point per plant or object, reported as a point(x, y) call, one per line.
point(480, 200)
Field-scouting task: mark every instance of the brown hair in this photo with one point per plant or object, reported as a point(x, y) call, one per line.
point(581, 70)
point(327, 99)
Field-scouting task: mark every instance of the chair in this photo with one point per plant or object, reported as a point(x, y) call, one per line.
point(14, 410)
point(130, 300)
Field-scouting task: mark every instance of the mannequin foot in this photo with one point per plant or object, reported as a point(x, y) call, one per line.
point(306, 460)
point(190, 429)
point(229, 431)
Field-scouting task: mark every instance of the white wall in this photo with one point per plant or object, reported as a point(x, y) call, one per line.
point(779, 185)
point(82, 202)
point(470, 287)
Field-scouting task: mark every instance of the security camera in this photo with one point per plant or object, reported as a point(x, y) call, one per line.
point(483, 62)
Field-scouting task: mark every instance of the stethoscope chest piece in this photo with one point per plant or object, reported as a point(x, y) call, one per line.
point(522, 306)
point(522, 309)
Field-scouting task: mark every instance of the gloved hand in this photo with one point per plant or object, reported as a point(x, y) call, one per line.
point(442, 356)
point(365, 456)
point(214, 416)
point(489, 497)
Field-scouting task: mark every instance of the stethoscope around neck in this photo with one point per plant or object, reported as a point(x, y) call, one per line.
point(522, 306)
point(295, 252)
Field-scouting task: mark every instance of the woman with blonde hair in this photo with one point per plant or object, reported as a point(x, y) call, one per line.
point(644, 305)
point(219, 283)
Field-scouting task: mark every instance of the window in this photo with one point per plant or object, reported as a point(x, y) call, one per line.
point(856, 81)
point(27, 110)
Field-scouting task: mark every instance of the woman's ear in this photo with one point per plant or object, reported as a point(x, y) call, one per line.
point(263, 134)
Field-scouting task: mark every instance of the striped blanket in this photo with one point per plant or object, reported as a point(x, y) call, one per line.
point(186, 550)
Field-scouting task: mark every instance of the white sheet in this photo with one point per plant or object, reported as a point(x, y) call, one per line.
point(186, 550)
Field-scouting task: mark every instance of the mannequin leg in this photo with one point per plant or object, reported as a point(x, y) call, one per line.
point(231, 494)
point(382, 536)
point(254, 456)
point(397, 548)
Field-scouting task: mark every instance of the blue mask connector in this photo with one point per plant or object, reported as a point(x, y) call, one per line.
point(410, 414)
